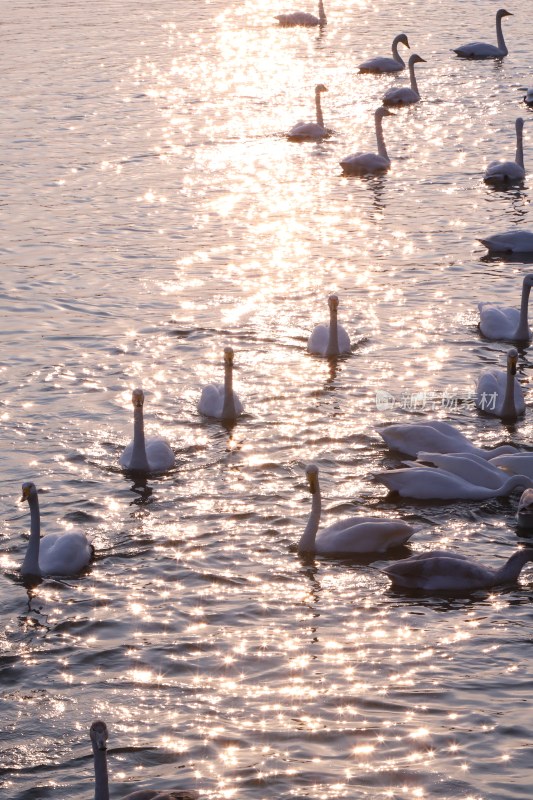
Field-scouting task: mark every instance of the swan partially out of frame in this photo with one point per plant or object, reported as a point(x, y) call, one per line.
point(469, 466)
point(145, 453)
point(528, 97)
point(305, 131)
point(405, 95)
point(524, 514)
point(442, 570)
point(99, 736)
point(348, 536)
point(331, 339)
point(506, 173)
point(434, 436)
point(430, 483)
point(510, 242)
point(515, 463)
point(502, 322)
point(381, 64)
point(484, 50)
point(368, 163)
point(55, 554)
point(498, 393)
point(218, 400)
point(303, 18)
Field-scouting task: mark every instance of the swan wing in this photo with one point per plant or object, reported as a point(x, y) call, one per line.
point(64, 554)
point(307, 130)
point(479, 50)
point(400, 97)
point(504, 172)
point(297, 18)
point(442, 571)
point(345, 345)
point(432, 437)
point(211, 400)
point(354, 535)
point(468, 466)
point(497, 322)
point(159, 454)
point(510, 242)
point(364, 163)
point(318, 341)
point(490, 392)
point(517, 464)
point(125, 457)
point(427, 483)
point(381, 64)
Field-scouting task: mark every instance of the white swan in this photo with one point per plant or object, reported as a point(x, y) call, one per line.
point(99, 737)
point(55, 554)
point(385, 64)
point(528, 97)
point(498, 393)
point(332, 339)
point(434, 436)
point(365, 163)
point(218, 399)
point(441, 570)
point(295, 18)
point(351, 535)
point(468, 466)
point(145, 453)
point(311, 130)
point(500, 173)
point(405, 96)
point(484, 50)
point(524, 514)
point(516, 241)
point(429, 483)
point(515, 463)
point(501, 322)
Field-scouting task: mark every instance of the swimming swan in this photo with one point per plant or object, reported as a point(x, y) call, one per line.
point(145, 453)
point(500, 173)
point(434, 436)
point(469, 466)
point(515, 463)
point(383, 64)
point(500, 322)
point(524, 514)
point(332, 339)
point(528, 97)
point(441, 570)
point(498, 393)
point(351, 535)
point(405, 96)
point(55, 554)
point(365, 163)
point(429, 483)
point(303, 18)
point(218, 399)
point(99, 736)
point(311, 130)
point(483, 50)
point(516, 241)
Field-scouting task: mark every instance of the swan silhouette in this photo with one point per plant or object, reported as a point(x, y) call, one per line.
point(218, 399)
point(498, 393)
point(404, 95)
point(441, 570)
point(99, 736)
point(434, 436)
point(145, 453)
point(504, 173)
point(365, 163)
point(55, 554)
point(332, 339)
point(385, 64)
point(500, 322)
point(303, 131)
point(484, 50)
point(348, 536)
point(302, 18)
point(430, 483)
point(516, 241)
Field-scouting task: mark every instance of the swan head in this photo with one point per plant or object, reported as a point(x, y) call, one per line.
point(333, 302)
point(137, 398)
point(503, 13)
point(99, 735)
point(401, 39)
point(28, 490)
point(524, 514)
point(311, 472)
point(320, 88)
point(228, 355)
point(382, 111)
point(528, 279)
point(512, 360)
point(416, 59)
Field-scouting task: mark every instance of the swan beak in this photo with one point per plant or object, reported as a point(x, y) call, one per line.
point(101, 742)
point(512, 364)
point(312, 479)
point(137, 398)
point(25, 493)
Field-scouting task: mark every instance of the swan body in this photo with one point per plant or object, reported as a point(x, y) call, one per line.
point(435, 436)
point(332, 339)
point(528, 97)
point(499, 322)
point(405, 95)
point(441, 570)
point(218, 399)
point(508, 172)
point(55, 554)
point(468, 466)
point(428, 483)
point(145, 453)
point(99, 736)
point(303, 131)
point(352, 535)
point(498, 393)
point(510, 242)
point(302, 18)
point(515, 464)
point(484, 50)
point(365, 163)
point(524, 514)
point(384, 64)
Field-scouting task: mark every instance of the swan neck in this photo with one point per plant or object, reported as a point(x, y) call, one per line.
point(508, 408)
point(321, 13)
point(101, 781)
point(307, 541)
point(30, 565)
point(228, 410)
point(333, 338)
point(522, 332)
point(513, 567)
point(395, 53)
point(319, 117)
point(382, 150)
point(139, 460)
point(414, 85)
point(499, 36)
point(519, 158)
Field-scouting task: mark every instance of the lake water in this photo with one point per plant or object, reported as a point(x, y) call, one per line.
point(153, 213)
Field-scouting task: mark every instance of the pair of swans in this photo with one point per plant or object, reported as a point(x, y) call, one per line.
point(99, 736)
point(351, 536)
point(382, 64)
point(498, 392)
point(311, 131)
point(510, 242)
point(442, 570)
point(435, 436)
point(405, 95)
point(510, 324)
point(484, 50)
point(506, 173)
point(303, 18)
point(332, 339)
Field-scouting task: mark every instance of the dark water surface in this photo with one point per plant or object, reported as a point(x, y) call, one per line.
point(152, 213)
